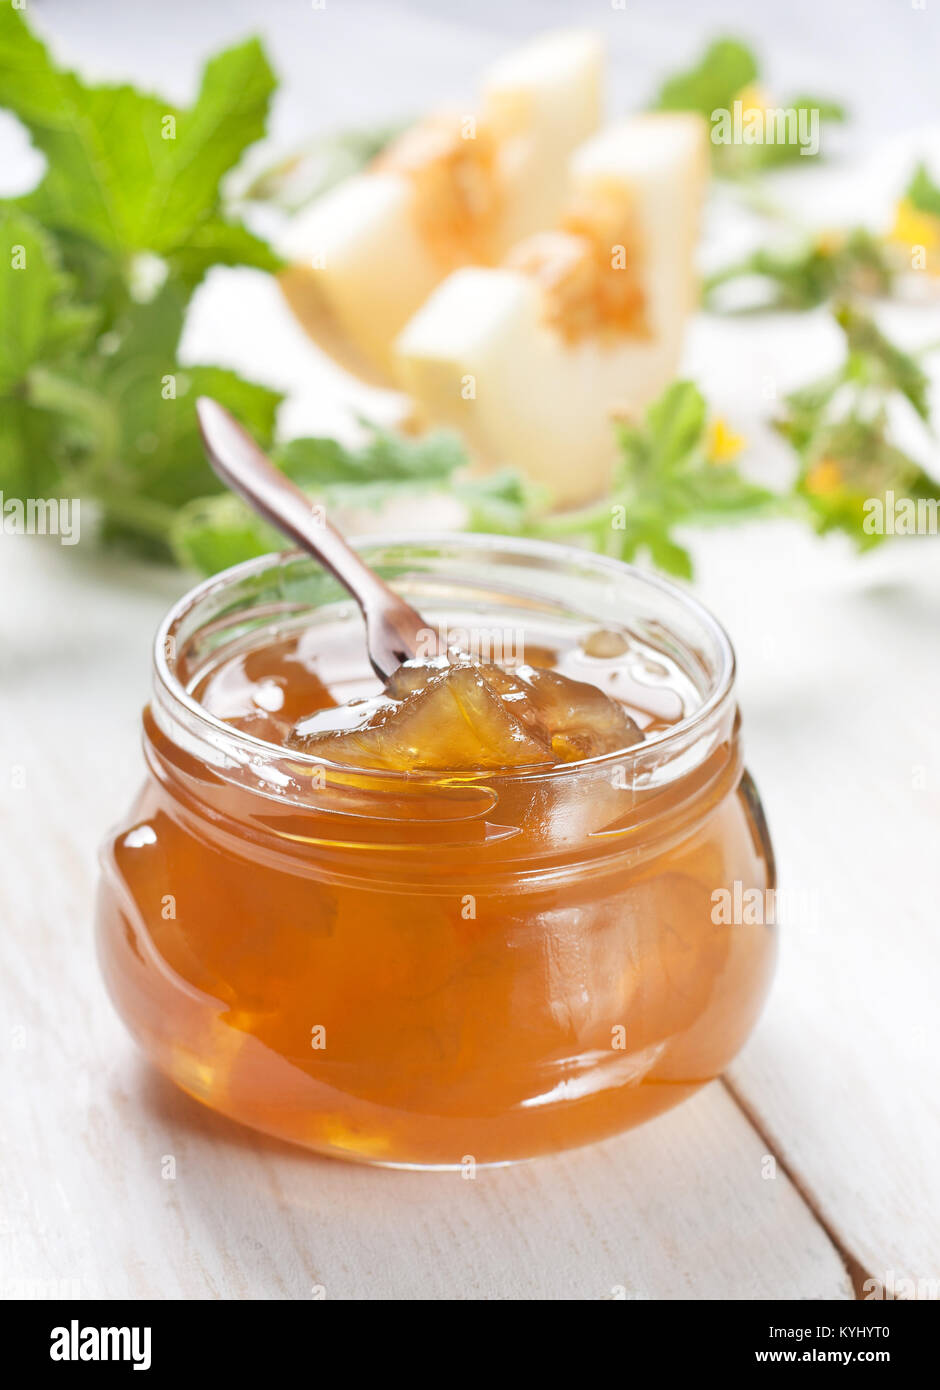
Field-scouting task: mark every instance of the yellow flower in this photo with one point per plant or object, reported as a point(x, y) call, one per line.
point(824, 477)
point(830, 241)
point(723, 444)
point(914, 228)
point(752, 98)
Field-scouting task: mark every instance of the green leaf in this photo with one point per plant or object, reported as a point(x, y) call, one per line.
point(229, 114)
point(713, 84)
point(31, 460)
point(503, 503)
point(99, 280)
point(848, 463)
point(802, 277)
point(667, 555)
point(213, 533)
point(161, 447)
point(152, 445)
point(127, 170)
point(217, 241)
point(664, 479)
point(771, 154)
point(828, 109)
point(147, 331)
point(726, 66)
point(718, 492)
point(675, 424)
point(385, 458)
point(797, 279)
point(923, 192)
point(875, 361)
point(97, 266)
point(838, 427)
point(36, 318)
point(130, 421)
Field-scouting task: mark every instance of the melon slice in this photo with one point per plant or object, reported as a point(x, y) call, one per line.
point(455, 190)
point(532, 360)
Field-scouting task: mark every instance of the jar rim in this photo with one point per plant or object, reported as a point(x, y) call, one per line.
point(604, 566)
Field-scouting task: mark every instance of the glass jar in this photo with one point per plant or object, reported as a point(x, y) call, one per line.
point(424, 970)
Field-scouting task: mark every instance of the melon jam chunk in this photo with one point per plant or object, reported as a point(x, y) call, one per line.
point(449, 714)
point(584, 722)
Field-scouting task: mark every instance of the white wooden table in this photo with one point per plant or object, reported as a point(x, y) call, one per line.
point(839, 683)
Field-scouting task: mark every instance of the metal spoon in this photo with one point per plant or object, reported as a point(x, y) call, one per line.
point(394, 630)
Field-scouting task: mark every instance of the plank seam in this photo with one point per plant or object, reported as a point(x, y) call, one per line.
point(856, 1271)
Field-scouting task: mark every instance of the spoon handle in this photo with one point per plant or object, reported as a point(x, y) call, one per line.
point(395, 631)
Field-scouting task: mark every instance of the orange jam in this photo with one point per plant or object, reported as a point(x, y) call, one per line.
point(469, 918)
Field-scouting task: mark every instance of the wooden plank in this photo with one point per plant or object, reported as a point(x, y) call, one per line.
point(840, 686)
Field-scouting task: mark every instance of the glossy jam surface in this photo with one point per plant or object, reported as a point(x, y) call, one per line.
point(448, 713)
point(507, 952)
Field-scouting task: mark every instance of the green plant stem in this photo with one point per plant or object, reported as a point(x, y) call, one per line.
point(50, 391)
